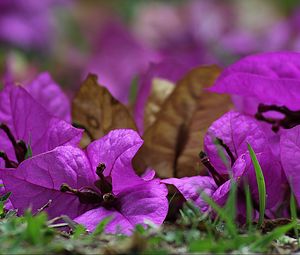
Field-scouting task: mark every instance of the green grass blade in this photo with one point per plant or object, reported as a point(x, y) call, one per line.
point(28, 152)
point(261, 185)
point(230, 206)
point(209, 245)
point(1, 209)
point(133, 89)
point(79, 231)
point(230, 224)
point(262, 243)
point(101, 226)
point(5, 197)
point(249, 207)
point(293, 209)
point(29, 149)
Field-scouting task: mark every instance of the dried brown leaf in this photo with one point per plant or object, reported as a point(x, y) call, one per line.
point(98, 112)
point(160, 91)
point(210, 107)
point(173, 141)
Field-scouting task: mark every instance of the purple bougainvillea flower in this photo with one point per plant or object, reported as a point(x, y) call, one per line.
point(25, 123)
point(49, 94)
point(216, 186)
point(37, 180)
point(261, 79)
point(236, 130)
point(233, 131)
point(90, 185)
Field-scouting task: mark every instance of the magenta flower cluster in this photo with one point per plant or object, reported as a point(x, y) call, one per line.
point(265, 89)
point(40, 161)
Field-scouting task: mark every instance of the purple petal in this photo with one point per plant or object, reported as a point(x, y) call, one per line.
point(45, 91)
point(60, 133)
point(239, 167)
point(148, 175)
point(38, 179)
point(238, 170)
point(290, 158)
point(116, 151)
point(30, 122)
point(236, 130)
point(191, 188)
point(118, 223)
point(221, 194)
point(137, 204)
point(247, 105)
point(261, 78)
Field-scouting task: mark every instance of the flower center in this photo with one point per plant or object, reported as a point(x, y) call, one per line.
point(218, 178)
point(290, 120)
point(20, 148)
point(88, 195)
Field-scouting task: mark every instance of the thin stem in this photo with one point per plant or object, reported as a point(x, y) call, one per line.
point(8, 163)
point(103, 184)
point(227, 149)
point(100, 169)
point(86, 195)
point(20, 147)
point(219, 179)
point(66, 188)
point(45, 206)
point(10, 136)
